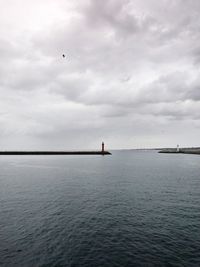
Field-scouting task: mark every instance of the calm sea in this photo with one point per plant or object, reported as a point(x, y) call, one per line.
point(133, 208)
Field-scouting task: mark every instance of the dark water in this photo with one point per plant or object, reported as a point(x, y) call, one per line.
point(128, 209)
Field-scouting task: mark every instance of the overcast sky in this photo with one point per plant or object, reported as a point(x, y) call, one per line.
point(131, 76)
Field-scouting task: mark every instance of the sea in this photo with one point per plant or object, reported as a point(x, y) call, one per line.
point(132, 208)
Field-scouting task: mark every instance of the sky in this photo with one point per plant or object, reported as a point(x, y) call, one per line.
point(130, 77)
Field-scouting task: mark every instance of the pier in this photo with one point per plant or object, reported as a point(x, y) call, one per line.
point(100, 152)
point(193, 150)
point(54, 153)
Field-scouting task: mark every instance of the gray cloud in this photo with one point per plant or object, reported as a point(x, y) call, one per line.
point(131, 72)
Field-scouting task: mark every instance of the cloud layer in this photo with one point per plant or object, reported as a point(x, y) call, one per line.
point(130, 76)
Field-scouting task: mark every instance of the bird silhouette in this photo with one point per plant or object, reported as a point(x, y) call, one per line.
point(63, 55)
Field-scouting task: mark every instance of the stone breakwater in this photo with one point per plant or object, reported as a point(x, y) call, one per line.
point(55, 153)
point(181, 150)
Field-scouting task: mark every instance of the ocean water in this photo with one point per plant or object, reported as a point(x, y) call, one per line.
point(134, 208)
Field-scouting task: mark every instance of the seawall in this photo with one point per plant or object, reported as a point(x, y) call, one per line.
point(54, 153)
point(181, 151)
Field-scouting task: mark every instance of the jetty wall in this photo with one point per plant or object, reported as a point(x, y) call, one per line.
point(55, 153)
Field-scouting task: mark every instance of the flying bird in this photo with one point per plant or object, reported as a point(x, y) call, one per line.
point(63, 56)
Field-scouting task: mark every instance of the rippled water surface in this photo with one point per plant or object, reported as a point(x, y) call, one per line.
point(133, 208)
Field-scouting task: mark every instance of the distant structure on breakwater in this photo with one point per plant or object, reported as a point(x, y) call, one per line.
point(177, 149)
point(101, 152)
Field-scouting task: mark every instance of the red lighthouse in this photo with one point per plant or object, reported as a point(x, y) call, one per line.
point(102, 148)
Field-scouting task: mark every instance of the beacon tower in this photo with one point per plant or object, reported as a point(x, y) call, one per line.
point(102, 148)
